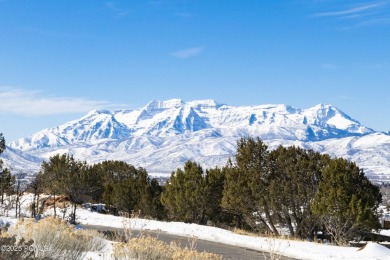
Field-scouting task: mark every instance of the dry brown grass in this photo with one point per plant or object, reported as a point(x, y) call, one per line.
point(245, 232)
point(145, 247)
point(150, 248)
point(142, 248)
point(53, 238)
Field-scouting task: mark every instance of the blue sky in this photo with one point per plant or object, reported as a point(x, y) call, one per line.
point(60, 59)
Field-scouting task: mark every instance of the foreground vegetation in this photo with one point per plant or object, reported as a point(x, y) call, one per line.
point(299, 190)
point(52, 238)
point(265, 191)
point(49, 238)
point(147, 247)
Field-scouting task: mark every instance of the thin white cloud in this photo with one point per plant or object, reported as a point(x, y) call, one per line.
point(32, 103)
point(119, 12)
point(368, 22)
point(183, 54)
point(350, 11)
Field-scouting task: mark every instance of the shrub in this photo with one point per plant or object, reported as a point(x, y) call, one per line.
point(55, 239)
point(144, 248)
point(187, 254)
point(151, 248)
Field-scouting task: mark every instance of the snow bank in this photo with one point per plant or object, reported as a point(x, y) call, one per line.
point(374, 251)
point(291, 248)
point(385, 232)
point(294, 249)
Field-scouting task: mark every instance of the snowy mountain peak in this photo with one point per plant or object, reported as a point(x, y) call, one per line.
point(327, 111)
point(98, 112)
point(203, 104)
point(158, 105)
point(162, 135)
point(329, 116)
point(279, 108)
point(175, 117)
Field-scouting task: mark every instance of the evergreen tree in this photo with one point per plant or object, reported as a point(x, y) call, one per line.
point(215, 182)
point(6, 179)
point(94, 185)
point(125, 188)
point(108, 198)
point(51, 172)
point(111, 173)
point(153, 207)
point(68, 177)
point(173, 196)
point(2, 143)
point(233, 200)
point(346, 201)
point(294, 180)
point(184, 195)
point(247, 182)
point(36, 187)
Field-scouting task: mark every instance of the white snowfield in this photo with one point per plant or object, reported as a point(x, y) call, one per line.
point(163, 135)
point(290, 248)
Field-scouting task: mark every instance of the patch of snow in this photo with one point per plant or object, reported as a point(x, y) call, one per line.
point(374, 251)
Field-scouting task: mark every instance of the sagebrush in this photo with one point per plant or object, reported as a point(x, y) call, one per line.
point(54, 238)
point(150, 248)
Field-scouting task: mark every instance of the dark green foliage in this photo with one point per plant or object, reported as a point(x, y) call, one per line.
point(131, 191)
point(234, 188)
point(298, 189)
point(126, 188)
point(154, 208)
point(121, 186)
point(346, 201)
point(6, 179)
point(215, 182)
point(295, 175)
point(247, 183)
point(7, 182)
point(69, 177)
point(110, 174)
point(2, 143)
point(184, 195)
point(36, 186)
point(194, 196)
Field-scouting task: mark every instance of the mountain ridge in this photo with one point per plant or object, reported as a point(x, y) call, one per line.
point(162, 135)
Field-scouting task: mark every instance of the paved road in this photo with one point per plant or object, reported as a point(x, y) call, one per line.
point(227, 251)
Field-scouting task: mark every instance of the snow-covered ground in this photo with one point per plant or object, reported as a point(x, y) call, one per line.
point(291, 248)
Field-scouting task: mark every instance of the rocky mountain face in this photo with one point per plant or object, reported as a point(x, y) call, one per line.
point(164, 134)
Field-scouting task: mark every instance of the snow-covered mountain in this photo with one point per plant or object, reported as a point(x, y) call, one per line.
point(20, 162)
point(164, 134)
